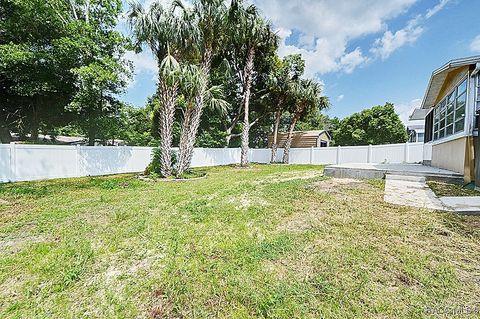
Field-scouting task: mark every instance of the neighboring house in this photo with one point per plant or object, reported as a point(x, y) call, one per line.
point(70, 140)
point(303, 139)
point(452, 101)
point(416, 126)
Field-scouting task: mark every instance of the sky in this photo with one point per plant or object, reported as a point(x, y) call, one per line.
point(365, 52)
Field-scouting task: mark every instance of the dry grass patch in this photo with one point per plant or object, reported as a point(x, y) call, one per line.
point(268, 242)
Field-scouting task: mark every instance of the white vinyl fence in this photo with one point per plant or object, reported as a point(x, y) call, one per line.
point(20, 162)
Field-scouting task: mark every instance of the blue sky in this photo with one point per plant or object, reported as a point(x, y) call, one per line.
point(366, 52)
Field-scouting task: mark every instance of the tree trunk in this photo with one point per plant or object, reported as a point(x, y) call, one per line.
point(190, 127)
point(248, 72)
point(184, 141)
point(5, 135)
point(91, 134)
point(278, 116)
point(35, 123)
point(168, 97)
point(288, 144)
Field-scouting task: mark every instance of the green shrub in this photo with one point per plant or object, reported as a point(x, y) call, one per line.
point(153, 169)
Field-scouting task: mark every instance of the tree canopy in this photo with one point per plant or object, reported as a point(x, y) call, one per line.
point(61, 63)
point(377, 125)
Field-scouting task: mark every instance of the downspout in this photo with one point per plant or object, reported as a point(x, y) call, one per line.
point(476, 77)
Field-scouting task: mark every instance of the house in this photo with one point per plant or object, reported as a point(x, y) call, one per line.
point(70, 140)
point(303, 139)
point(416, 126)
point(452, 103)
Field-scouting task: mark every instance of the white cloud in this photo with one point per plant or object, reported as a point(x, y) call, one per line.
point(390, 42)
point(325, 28)
point(475, 44)
point(143, 62)
point(433, 11)
point(404, 110)
point(340, 97)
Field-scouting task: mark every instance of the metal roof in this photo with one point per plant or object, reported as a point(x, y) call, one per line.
point(418, 114)
point(439, 76)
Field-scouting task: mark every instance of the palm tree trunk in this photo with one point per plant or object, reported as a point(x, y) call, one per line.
point(168, 97)
point(248, 72)
point(288, 144)
point(184, 141)
point(278, 116)
point(190, 129)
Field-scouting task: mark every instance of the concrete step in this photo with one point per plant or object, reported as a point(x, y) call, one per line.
point(408, 178)
point(463, 205)
point(379, 173)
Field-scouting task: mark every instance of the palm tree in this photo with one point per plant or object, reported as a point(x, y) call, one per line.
point(169, 34)
point(308, 96)
point(280, 83)
point(250, 33)
point(193, 84)
point(209, 18)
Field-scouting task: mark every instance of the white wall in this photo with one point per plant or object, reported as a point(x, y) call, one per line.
point(35, 162)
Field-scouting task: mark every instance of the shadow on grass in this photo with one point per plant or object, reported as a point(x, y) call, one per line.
point(45, 188)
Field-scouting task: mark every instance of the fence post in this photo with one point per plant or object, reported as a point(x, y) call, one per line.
point(311, 155)
point(77, 160)
point(407, 152)
point(370, 154)
point(13, 162)
point(338, 154)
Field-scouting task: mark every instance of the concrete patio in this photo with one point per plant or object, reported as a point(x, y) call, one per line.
point(379, 171)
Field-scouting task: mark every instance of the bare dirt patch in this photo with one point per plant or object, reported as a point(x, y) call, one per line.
point(339, 186)
point(17, 244)
point(335, 184)
point(245, 201)
point(289, 176)
point(303, 221)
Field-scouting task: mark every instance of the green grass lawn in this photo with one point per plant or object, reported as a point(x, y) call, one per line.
point(451, 190)
point(269, 242)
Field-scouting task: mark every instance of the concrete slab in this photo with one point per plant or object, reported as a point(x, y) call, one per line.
point(462, 205)
point(378, 171)
point(413, 192)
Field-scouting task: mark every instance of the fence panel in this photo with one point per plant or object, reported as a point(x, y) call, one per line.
point(262, 156)
point(324, 156)
point(415, 153)
point(5, 164)
point(98, 160)
point(299, 156)
point(33, 162)
point(394, 153)
point(215, 156)
point(353, 154)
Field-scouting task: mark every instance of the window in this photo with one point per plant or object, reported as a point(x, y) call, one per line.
point(478, 92)
point(449, 114)
point(421, 137)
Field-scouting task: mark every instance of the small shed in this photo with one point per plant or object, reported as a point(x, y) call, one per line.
point(304, 139)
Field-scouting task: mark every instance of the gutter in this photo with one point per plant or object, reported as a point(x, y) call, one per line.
point(477, 70)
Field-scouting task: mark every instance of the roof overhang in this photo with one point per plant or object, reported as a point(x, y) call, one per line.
point(439, 76)
point(418, 114)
